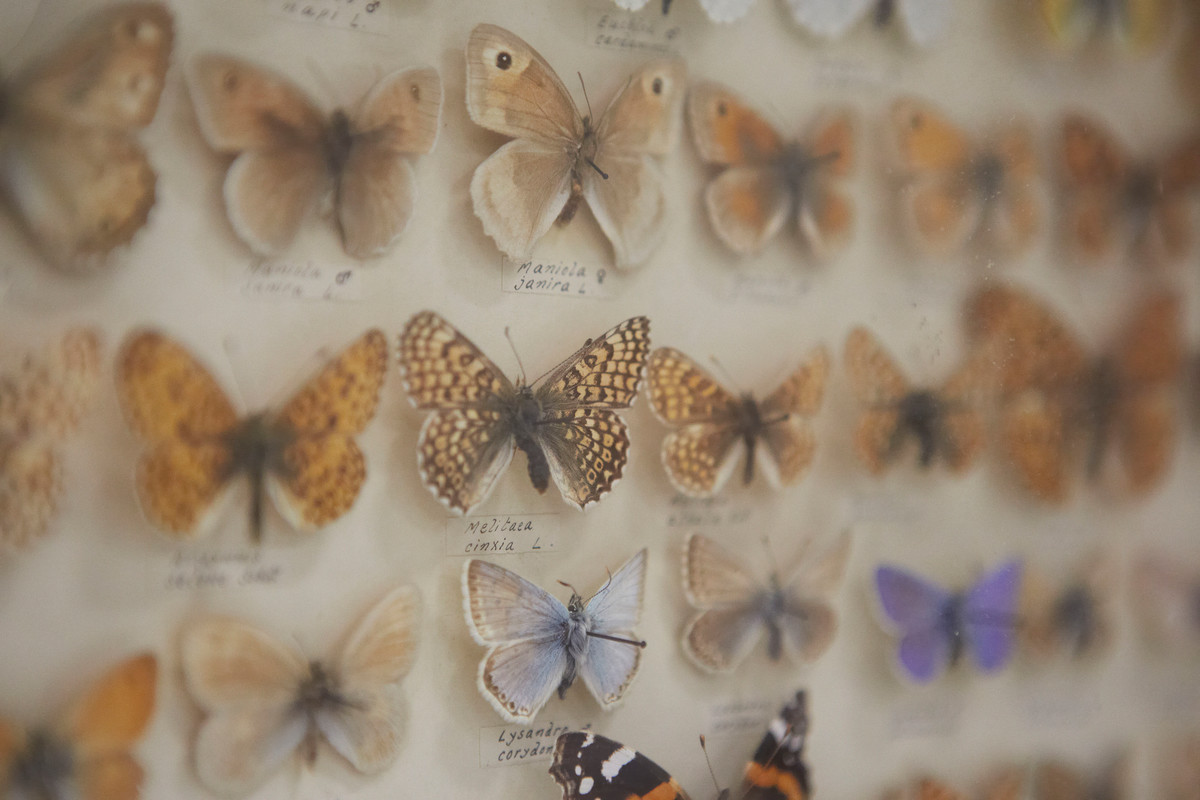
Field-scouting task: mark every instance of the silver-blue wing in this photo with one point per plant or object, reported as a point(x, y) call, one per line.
point(609, 666)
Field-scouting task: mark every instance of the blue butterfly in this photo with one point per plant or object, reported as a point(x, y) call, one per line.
point(936, 626)
point(539, 645)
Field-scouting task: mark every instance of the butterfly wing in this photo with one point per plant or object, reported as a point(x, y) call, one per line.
point(879, 386)
point(585, 441)
point(523, 623)
point(76, 177)
point(585, 760)
point(726, 10)
point(246, 684)
point(914, 608)
point(464, 445)
point(366, 729)
point(925, 20)
point(520, 189)
point(642, 121)
point(609, 667)
point(699, 456)
point(323, 469)
point(280, 171)
point(829, 19)
point(824, 213)
point(990, 618)
point(721, 587)
point(787, 434)
point(778, 770)
point(1165, 602)
point(808, 621)
point(963, 434)
point(1013, 213)
point(1095, 168)
point(175, 406)
point(376, 187)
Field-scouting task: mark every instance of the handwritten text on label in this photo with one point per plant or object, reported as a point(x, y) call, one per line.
point(560, 279)
point(508, 745)
point(369, 16)
point(693, 512)
point(517, 533)
point(285, 280)
point(217, 569)
point(620, 30)
point(766, 287)
point(740, 716)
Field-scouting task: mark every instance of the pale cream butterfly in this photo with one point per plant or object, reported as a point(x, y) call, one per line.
point(264, 701)
point(924, 20)
point(717, 10)
point(559, 157)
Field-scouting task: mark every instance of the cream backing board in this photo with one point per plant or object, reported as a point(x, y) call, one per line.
point(97, 588)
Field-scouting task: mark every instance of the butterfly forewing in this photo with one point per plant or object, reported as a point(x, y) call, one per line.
point(605, 373)
point(441, 368)
point(583, 760)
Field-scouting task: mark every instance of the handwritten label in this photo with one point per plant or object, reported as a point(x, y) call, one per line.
point(1061, 705)
point(285, 280)
point(699, 512)
point(621, 30)
point(739, 716)
point(516, 533)
point(220, 569)
point(369, 16)
point(768, 287)
point(509, 745)
point(926, 716)
point(843, 73)
point(561, 279)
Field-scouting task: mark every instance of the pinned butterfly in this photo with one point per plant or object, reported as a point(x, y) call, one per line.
point(925, 21)
point(734, 608)
point(565, 423)
point(714, 426)
point(265, 702)
point(303, 454)
point(559, 157)
point(71, 168)
point(1074, 620)
point(291, 159)
point(41, 406)
point(767, 180)
point(538, 646)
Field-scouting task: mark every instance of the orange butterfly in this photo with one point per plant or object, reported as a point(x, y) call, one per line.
point(1118, 206)
point(957, 192)
point(945, 422)
point(1055, 400)
point(926, 788)
point(86, 755)
point(1076, 619)
point(768, 180)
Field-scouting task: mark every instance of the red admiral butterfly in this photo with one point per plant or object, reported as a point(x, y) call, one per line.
point(592, 767)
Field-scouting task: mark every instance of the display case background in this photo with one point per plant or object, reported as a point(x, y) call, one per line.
point(96, 588)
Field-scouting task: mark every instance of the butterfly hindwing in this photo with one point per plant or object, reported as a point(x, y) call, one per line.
point(588, 765)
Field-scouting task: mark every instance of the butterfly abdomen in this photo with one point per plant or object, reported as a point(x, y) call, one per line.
point(1075, 617)
point(43, 768)
point(920, 415)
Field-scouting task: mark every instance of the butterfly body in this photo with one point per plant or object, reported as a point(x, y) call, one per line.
point(575, 641)
point(1076, 619)
point(770, 605)
point(44, 768)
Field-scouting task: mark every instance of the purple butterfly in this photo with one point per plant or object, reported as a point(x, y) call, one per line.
point(935, 626)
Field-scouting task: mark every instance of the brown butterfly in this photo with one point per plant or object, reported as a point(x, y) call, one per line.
point(957, 191)
point(945, 422)
point(1166, 596)
point(1119, 207)
point(1055, 401)
point(1075, 619)
point(71, 168)
point(768, 181)
point(715, 425)
point(303, 454)
point(926, 788)
point(291, 158)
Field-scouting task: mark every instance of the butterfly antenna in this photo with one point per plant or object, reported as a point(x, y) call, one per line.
point(620, 639)
point(590, 116)
point(520, 366)
point(722, 794)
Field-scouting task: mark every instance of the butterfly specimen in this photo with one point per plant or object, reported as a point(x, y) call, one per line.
point(263, 701)
point(1055, 401)
point(303, 454)
point(1055, 780)
point(1074, 619)
point(734, 608)
point(587, 765)
point(1178, 766)
point(1167, 601)
point(768, 181)
point(71, 168)
point(536, 645)
point(924, 20)
point(927, 788)
point(559, 157)
point(85, 754)
point(41, 405)
point(937, 626)
point(291, 158)
point(956, 191)
point(565, 423)
point(1117, 207)
point(945, 423)
point(714, 425)
point(1135, 25)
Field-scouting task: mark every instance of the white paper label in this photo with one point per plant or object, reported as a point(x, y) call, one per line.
point(369, 16)
point(289, 280)
point(768, 287)
point(509, 745)
point(740, 716)
point(560, 279)
point(692, 512)
point(842, 73)
point(502, 533)
point(616, 29)
point(926, 716)
point(221, 569)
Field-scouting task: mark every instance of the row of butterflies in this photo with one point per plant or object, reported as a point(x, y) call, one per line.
point(264, 701)
point(81, 185)
point(1058, 410)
